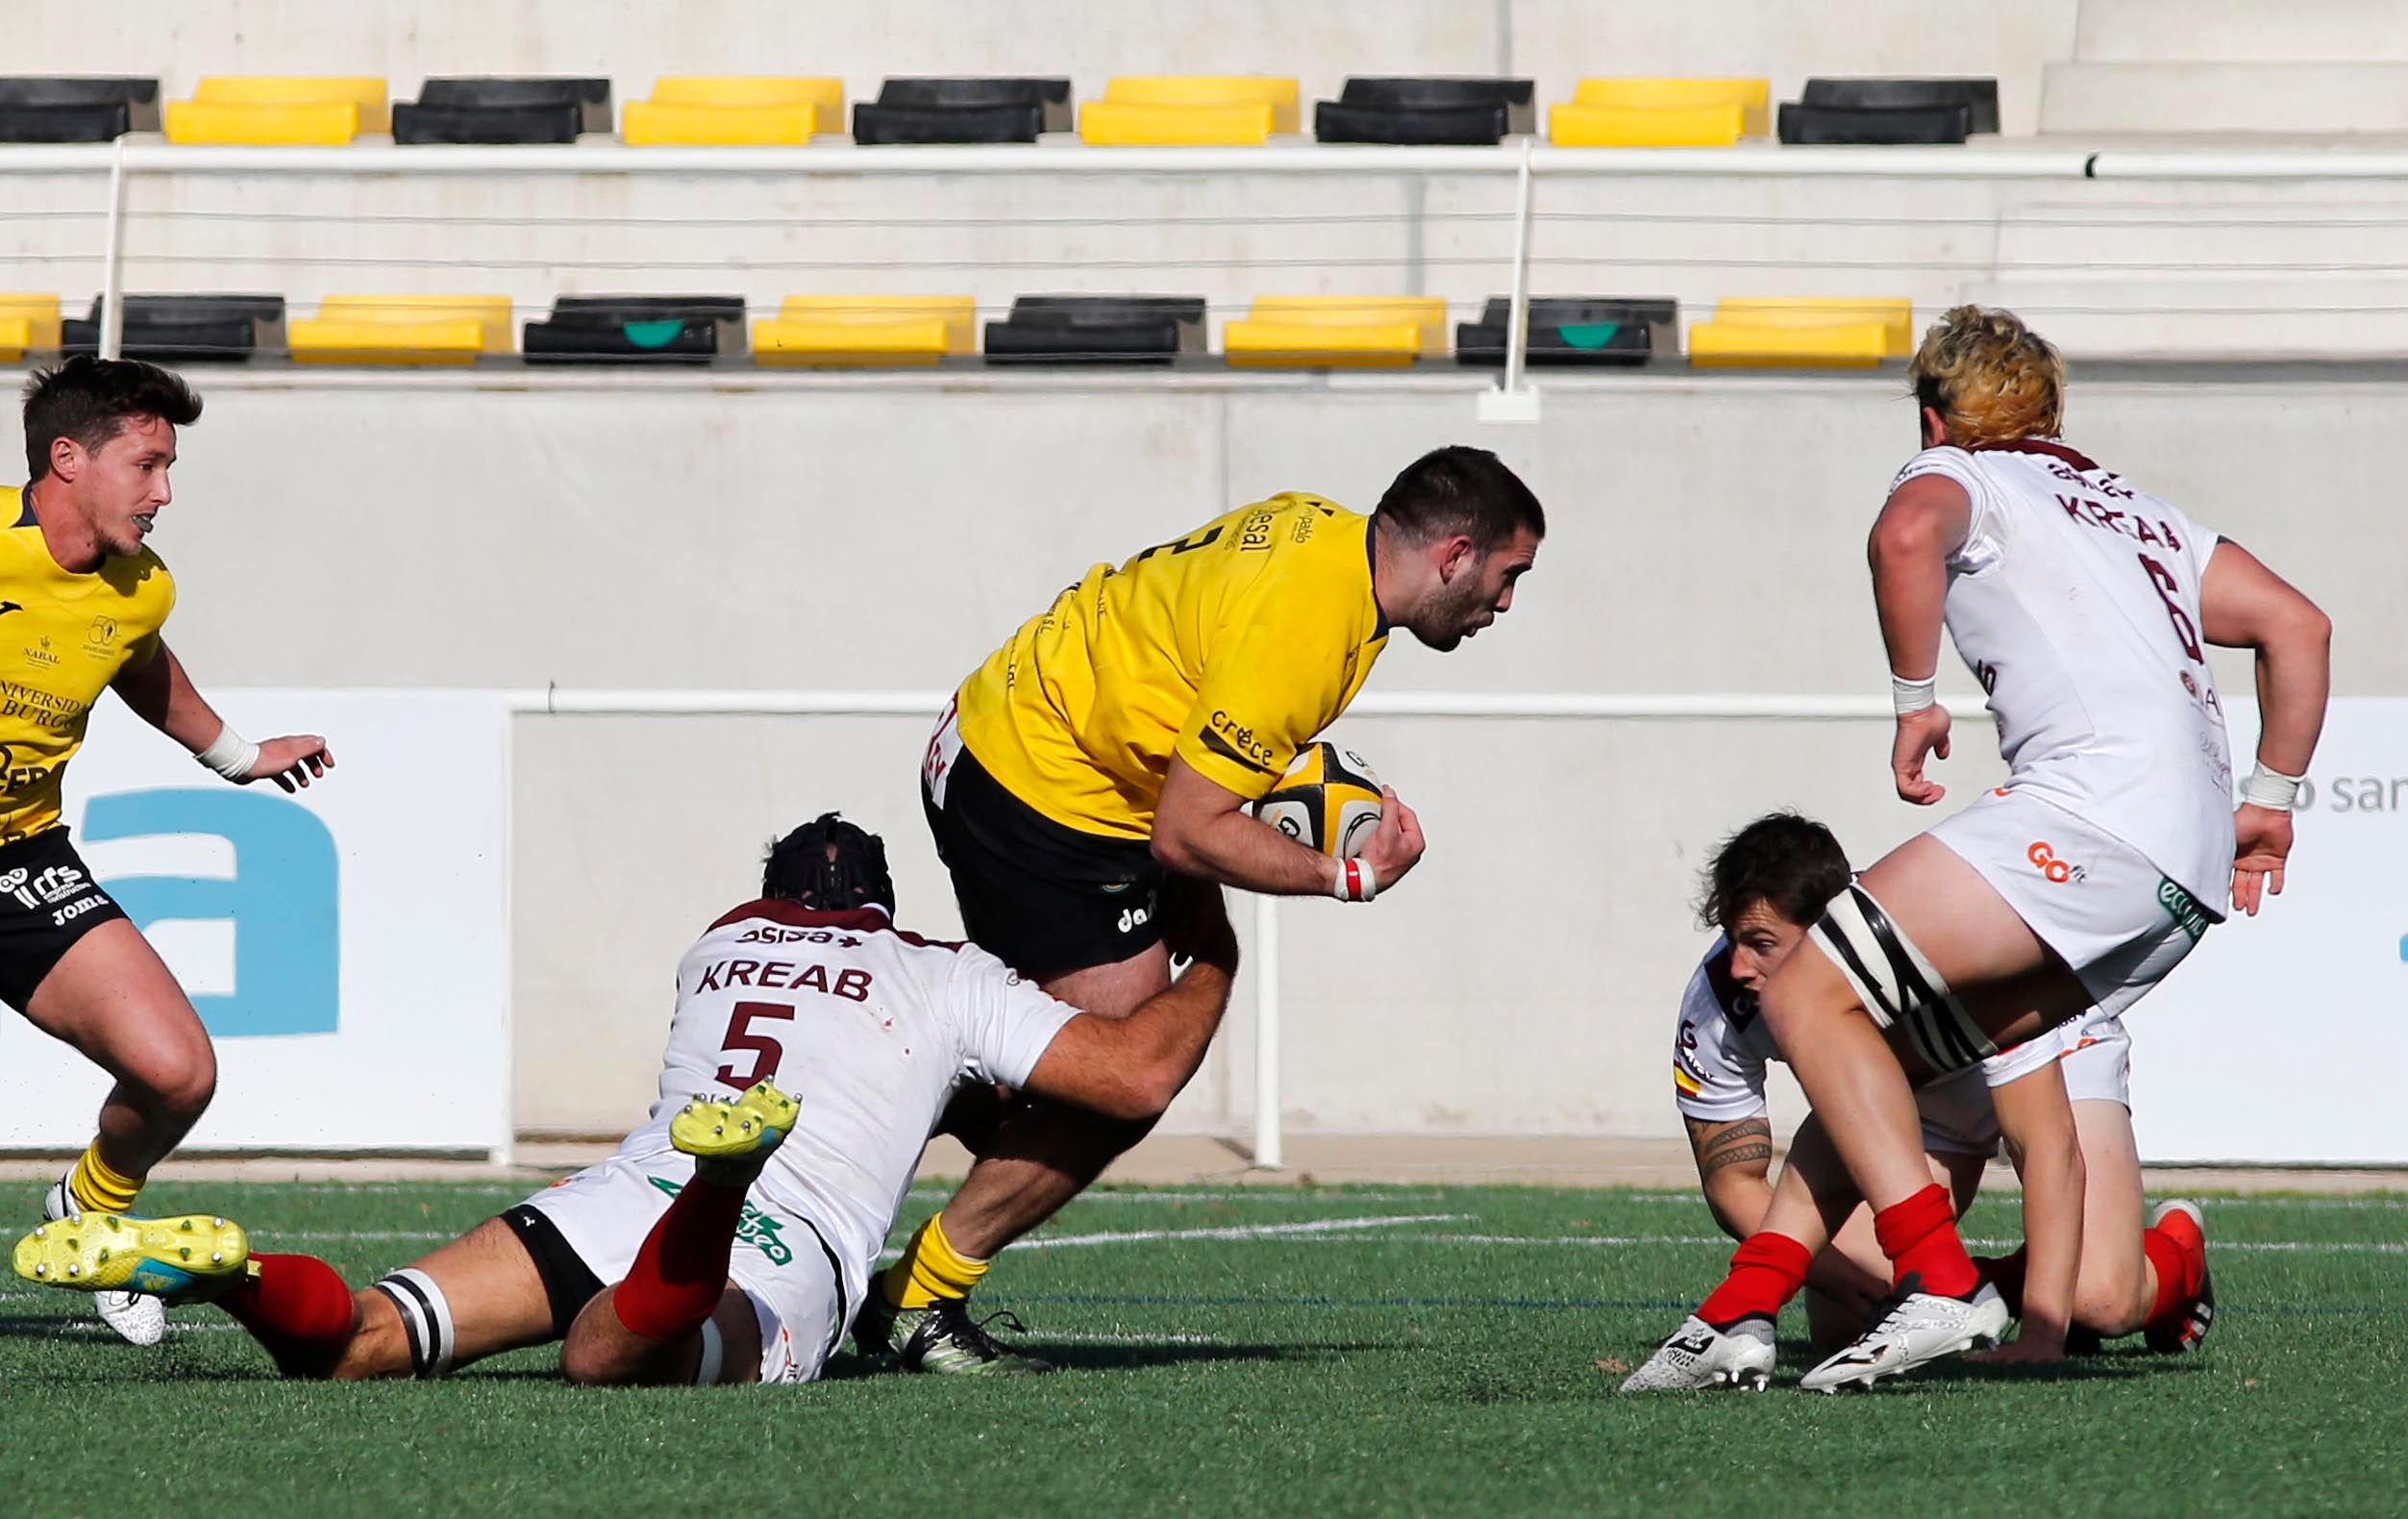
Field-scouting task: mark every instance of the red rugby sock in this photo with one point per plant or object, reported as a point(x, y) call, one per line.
point(2006, 1274)
point(297, 1308)
point(2176, 1280)
point(1919, 1235)
point(1766, 1271)
point(681, 1271)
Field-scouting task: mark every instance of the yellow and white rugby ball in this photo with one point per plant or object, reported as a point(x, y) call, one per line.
point(1329, 800)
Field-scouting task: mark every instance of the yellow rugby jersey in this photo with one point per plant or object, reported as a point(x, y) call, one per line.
point(1231, 647)
point(63, 637)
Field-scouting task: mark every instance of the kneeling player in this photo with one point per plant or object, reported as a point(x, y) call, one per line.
point(730, 1238)
point(1763, 886)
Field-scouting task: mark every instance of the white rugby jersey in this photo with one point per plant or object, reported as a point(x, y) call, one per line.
point(1720, 1047)
point(2075, 603)
point(868, 1029)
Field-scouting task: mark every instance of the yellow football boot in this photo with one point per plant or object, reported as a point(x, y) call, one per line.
point(731, 1141)
point(170, 1258)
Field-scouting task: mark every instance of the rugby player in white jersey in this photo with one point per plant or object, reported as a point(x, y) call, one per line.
point(2084, 606)
point(1763, 889)
point(732, 1238)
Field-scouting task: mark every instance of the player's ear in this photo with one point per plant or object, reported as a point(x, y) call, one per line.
point(66, 458)
point(1456, 556)
point(1935, 431)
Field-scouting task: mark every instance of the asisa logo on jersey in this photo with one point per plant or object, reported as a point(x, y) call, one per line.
point(282, 901)
point(2043, 855)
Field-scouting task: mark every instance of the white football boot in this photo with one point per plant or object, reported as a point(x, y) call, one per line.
point(138, 1317)
point(1917, 1328)
point(1699, 1356)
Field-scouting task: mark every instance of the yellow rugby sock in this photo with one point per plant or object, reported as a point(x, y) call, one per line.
point(930, 1270)
point(97, 1188)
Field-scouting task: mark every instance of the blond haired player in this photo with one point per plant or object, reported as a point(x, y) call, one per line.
point(1097, 766)
point(2084, 606)
point(81, 602)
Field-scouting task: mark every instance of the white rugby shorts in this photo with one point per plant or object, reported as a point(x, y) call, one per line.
point(2094, 899)
point(604, 1212)
point(2096, 1060)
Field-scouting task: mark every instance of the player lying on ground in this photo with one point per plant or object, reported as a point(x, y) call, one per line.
point(1097, 766)
point(732, 1238)
point(1763, 889)
point(82, 600)
point(2083, 605)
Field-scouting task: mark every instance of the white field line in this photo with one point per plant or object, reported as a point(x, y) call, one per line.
point(2214, 1246)
point(2212, 1205)
point(1310, 1226)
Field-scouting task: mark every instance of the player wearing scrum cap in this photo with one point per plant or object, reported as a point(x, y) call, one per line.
point(2084, 606)
point(1764, 887)
point(1099, 762)
point(732, 1237)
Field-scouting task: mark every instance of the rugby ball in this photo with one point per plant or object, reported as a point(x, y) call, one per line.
point(1329, 800)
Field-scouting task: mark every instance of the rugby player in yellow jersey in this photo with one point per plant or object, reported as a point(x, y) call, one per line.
point(81, 602)
point(1101, 758)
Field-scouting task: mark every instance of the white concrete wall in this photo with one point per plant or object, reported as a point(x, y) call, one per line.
point(692, 531)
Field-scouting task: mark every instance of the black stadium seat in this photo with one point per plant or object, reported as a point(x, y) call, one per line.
point(1888, 126)
point(185, 328)
point(1980, 95)
point(1575, 330)
point(637, 330)
point(75, 109)
point(1002, 109)
point(504, 109)
point(1097, 330)
point(1431, 110)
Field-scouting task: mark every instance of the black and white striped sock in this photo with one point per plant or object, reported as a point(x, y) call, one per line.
point(425, 1321)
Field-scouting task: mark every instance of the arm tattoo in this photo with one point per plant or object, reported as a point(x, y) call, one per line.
point(1748, 1140)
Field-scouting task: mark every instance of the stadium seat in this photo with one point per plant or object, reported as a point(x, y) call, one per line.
point(1567, 329)
point(504, 109)
point(76, 109)
point(28, 324)
point(734, 110)
point(186, 329)
point(963, 110)
point(403, 330)
point(366, 92)
point(280, 111)
point(1097, 330)
point(867, 330)
point(1891, 111)
point(1660, 112)
point(1326, 332)
point(1799, 332)
point(1203, 109)
point(1981, 96)
point(1431, 110)
point(637, 329)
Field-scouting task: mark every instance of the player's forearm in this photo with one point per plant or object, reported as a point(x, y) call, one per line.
point(2053, 1181)
point(1910, 582)
point(1161, 1043)
point(2294, 677)
point(1235, 850)
point(163, 696)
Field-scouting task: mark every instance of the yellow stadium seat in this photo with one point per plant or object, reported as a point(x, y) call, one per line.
point(1118, 124)
point(330, 124)
point(28, 324)
point(1208, 90)
point(867, 330)
point(1288, 331)
point(1662, 112)
point(824, 93)
point(650, 123)
point(403, 330)
point(1795, 332)
point(364, 90)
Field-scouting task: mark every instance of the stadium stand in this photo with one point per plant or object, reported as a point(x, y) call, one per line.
point(403, 330)
point(1572, 330)
point(1325, 332)
point(637, 329)
point(504, 109)
point(1891, 111)
point(280, 111)
point(1181, 109)
point(733, 111)
point(186, 329)
point(28, 324)
point(884, 330)
point(1097, 330)
point(1791, 332)
point(1435, 109)
point(963, 110)
point(1639, 113)
point(71, 109)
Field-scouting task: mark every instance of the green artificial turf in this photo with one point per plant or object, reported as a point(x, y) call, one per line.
point(1327, 1350)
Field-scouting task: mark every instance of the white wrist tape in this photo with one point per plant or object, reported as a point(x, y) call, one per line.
point(2271, 788)
point(1913, 696)
point(230, 754)
point(1356, 881)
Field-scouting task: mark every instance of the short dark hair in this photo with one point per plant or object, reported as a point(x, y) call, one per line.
point(1789, 862)
point(1462, 489)
point(90, 400)
point(831, 865)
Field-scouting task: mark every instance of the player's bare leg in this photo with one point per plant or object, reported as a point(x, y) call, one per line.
point(478, 1296)
point(601, 1352)
point(1832, 1322)
point(114, 999)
